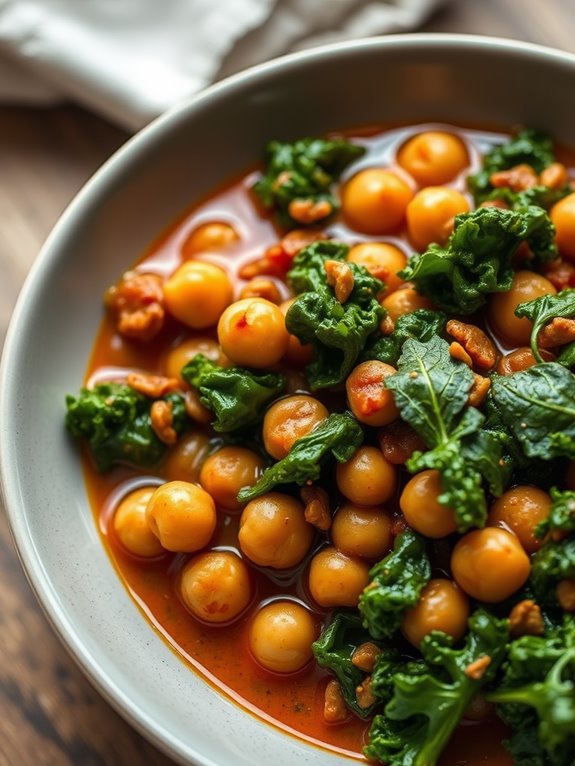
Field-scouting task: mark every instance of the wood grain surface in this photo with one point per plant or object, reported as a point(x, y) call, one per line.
point(49, 713)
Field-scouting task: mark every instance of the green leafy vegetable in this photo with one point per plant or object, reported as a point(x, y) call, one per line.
point(421, 324)
point(538, 407)
point(307, 274)
point(554, 562)
point(333, 650)
point(538, 694)
point(339, 435)
point(237, 397)
point(528, 147)
point(562, 514)
point(427, 706)
point(431, 390)
point(395, 585)
point(477, 258)
point(336, 331)
point(115, 421)
point(542, 310)
point(303, 170)
point(542, 196)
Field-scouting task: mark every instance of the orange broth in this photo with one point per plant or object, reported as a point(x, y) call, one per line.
point(220, 654)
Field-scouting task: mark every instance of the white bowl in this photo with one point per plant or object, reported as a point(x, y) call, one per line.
point(138, 192)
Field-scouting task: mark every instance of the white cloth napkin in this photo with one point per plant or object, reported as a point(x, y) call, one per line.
point(130, 60)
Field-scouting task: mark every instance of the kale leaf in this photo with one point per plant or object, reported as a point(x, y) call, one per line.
point(339, 435)
point(562, 514)
point(114, 419)
point(431, 390)
point(554, 562)
point(527, 147)
point(537, 406)
point(421, 324)
point(236, 396)
point(542, 310)
point(395, 585)
point(303, 170)
point(333, 650)
point(538, 694)
point(542, 196)
point(426, 706)
point(336, 331)
point(477, 258)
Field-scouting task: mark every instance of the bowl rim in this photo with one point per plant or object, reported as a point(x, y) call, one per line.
point(133, 711)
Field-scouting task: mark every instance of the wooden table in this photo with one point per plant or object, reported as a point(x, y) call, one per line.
point(49, 714)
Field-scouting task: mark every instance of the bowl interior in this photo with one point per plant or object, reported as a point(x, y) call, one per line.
point(137, 194)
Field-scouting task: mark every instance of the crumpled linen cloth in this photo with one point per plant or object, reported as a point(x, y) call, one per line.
point(131, 60)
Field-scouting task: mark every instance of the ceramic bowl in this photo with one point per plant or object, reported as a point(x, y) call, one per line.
point(138, 192)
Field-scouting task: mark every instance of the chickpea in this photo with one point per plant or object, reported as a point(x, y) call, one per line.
point(374, 200)
point(336, 579)
point(368, 398)
point(197, 293)
point(360, 531)
point(521, 509)
point(274, 532)
point(182, 516)
point(288, 420)
point(433, 157)
point(382, 260)
point(526, 286)
point(404, 301)
point(215, 586)
point(430, 215)
point(422, 509)
point(563, 216)
point(489, 564)
point(252, 332)
point(178, 356)
point(520, 359)
point(367, 478)
point(280, 636)
point(209, 237)
point(184, 459)
point(441, 606)
point(227, 471)
point(131, 527)
point(297, 354)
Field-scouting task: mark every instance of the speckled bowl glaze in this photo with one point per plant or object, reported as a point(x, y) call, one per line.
point(139, 191)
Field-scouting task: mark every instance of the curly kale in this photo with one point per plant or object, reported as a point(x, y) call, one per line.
point(303, 170)
point(333, 650)
point(428, 703)
point(477, 259)
point(537, 407)
point(543, 310)
point(421, 324)
point(431, 390)
point(527, 147)
point(395, 585)
point(554, 562)
point(114, 419)
point(537, 694)
point(562, 514)
point(337, 331)
point(237, 397)
point(339, 435)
